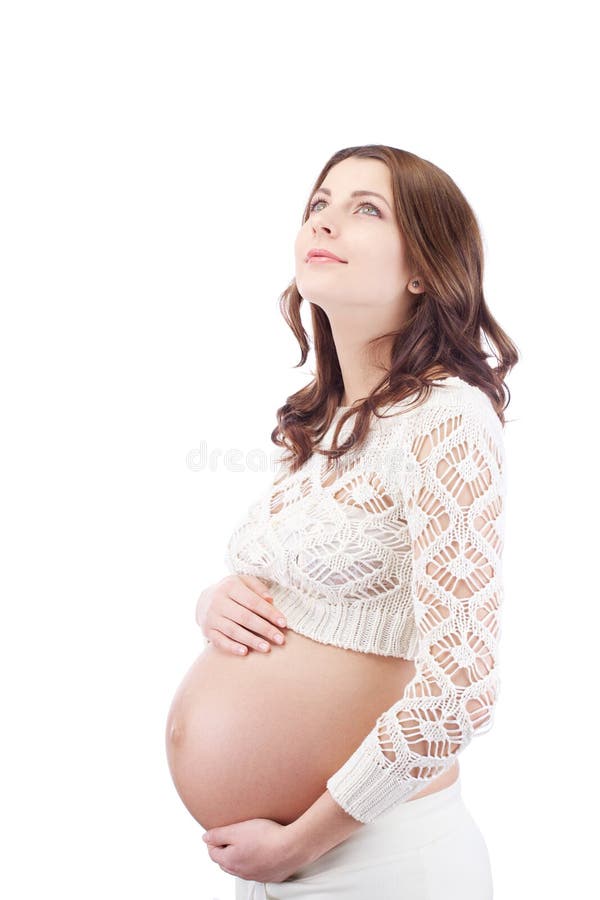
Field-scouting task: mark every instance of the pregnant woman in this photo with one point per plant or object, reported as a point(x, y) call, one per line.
point(326, 764)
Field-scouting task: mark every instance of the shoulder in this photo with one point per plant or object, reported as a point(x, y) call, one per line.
point(457, 422)
point(453, 437)
point(463, 406)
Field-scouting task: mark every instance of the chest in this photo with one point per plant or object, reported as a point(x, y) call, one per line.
point(337, 527)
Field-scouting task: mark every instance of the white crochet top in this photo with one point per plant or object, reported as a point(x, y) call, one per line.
point(396, 550)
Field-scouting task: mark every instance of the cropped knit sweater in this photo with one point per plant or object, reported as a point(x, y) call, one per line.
point(396, 550)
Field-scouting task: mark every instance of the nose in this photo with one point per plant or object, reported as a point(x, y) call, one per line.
point(321, 225)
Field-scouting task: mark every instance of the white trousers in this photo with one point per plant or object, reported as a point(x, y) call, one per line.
point(426, 849)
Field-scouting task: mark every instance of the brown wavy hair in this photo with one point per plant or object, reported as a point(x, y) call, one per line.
point(442, 335)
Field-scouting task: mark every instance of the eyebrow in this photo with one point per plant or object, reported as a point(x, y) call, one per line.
point(355, 194)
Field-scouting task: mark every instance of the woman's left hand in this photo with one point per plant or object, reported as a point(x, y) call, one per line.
point(256, 850)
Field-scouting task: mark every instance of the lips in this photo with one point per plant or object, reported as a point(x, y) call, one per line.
point(323, 254)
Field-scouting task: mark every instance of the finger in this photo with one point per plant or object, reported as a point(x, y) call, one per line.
point(257, 603)
point(199, 604)
point(258, 586)
point(241, 624)
point(217, 856)
point(217, 836)
point(222, 642)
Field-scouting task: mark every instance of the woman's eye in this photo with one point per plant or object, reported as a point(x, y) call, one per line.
point(318, 200)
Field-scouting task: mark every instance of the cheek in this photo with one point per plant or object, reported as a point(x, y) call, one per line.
point(302, 245)
point(389, 258)
point(389, 250)
point(382, 261)
point(380, 274)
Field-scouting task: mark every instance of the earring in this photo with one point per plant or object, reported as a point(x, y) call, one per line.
point(415, 284)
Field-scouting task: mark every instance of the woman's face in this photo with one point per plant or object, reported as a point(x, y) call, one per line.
point(364, 233)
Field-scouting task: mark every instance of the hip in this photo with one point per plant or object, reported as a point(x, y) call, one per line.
point(425, 849)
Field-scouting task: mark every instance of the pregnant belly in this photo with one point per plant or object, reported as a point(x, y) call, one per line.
point(257, 736)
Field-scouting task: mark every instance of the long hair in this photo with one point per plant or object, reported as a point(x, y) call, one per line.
point(444, 331)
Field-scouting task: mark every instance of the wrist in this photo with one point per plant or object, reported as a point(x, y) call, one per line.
point(300, 851)
point(323, 826)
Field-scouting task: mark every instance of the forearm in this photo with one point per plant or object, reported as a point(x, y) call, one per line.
point(323, 826)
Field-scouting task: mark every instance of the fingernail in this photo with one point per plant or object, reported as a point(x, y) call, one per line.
point(281, 622)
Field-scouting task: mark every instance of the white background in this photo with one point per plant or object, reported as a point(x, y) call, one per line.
point(156, 159)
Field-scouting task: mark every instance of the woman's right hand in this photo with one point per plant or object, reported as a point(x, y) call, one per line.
point(235, 616)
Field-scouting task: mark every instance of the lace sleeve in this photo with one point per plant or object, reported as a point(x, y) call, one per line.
point(454, 499)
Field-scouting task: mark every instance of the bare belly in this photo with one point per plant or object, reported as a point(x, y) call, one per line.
point(257, 736)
